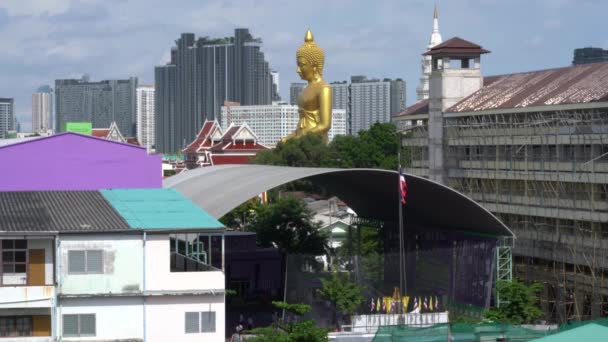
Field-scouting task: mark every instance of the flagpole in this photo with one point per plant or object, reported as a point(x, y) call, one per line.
point(400, 206)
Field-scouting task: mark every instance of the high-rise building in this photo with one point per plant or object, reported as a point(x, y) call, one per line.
point(101, 103)
point(7, 116)
point(207, 72)
point(372, 100)
point(273, 122)
point(145, 116)
point(340, 92)
point(42, 108)
point(422, 91)
point(589, 55)
point(294, 90)
point(275, 86)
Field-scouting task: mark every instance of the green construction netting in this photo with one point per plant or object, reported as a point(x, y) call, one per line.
point(462, 332)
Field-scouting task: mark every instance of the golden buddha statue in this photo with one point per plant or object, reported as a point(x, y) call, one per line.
point(314, 103)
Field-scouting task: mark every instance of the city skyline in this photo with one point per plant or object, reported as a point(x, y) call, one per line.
point(44, 42)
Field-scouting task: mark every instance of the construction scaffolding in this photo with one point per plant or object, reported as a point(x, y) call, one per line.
point(545, 175)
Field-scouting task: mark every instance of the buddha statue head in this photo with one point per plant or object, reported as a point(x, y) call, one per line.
point(310, 59)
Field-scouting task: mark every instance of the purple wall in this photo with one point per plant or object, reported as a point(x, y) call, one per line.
point(71, 161)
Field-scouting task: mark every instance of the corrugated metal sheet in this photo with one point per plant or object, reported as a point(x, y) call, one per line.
point(570, 85)
point(159, 209)
point(57, 211)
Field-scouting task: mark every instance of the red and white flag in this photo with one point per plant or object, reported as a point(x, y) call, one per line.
point(402, 188)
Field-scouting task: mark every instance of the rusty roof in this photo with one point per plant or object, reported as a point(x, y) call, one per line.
point(568, 85)
point(420, 107)
point(456, 46)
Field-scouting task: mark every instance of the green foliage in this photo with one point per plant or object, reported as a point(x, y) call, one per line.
point(299, 331)
point(288, 224)
point(239, 216)
point(307, 151)
point(373, 148)
point(521, 307)
point(344, 295)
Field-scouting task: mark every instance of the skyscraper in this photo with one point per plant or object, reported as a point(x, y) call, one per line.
point(201, 75)
point(275, 86)
point(7, 116)
point(145, 116)
point(373, 101)
point(422, 91)
point(294, 90)
point(42, 107)
point(101, 103)
point(589, 55)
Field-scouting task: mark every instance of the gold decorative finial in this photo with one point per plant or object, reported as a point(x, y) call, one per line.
point(308, 38)
point(435, 15)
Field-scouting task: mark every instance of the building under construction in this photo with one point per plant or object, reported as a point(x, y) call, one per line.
point(532, 148)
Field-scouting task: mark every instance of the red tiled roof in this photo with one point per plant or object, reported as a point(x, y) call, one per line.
point(457, 46)
point(100, 132)
point(201, 139)
point(569, 85)
point(220, 159)
point(132, 141)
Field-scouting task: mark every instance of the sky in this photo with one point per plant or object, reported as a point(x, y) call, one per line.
point(44, 40)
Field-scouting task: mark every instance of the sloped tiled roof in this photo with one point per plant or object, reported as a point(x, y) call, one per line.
point(202, 139)
point(569, 85)
point(458, 46)
point(57, 211)
point(100, 132)
point(420, 107)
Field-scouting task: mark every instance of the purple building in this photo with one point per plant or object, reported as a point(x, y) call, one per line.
point(71, 161)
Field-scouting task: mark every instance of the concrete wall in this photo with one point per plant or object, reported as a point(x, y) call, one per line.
point(123, 260)
point(115, 318)
point(160, 278)
point(166, 318)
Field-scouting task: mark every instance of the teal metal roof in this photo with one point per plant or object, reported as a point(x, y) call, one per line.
point(158, 209)
point(589, 333)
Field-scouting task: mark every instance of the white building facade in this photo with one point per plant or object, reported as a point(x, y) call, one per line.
point(119, 284)
point(271, 123)
point(145, 116)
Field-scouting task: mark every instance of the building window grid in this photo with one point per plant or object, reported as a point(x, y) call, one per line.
point(79, 325)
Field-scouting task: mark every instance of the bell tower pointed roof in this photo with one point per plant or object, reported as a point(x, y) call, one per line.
point(435, 35)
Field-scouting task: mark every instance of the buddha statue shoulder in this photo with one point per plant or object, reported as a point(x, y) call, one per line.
point(315, 101)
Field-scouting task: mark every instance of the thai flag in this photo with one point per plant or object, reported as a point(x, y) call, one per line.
point(402, 187)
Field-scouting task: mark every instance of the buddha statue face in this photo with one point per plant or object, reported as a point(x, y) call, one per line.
point(310, 58)
point(306, 70)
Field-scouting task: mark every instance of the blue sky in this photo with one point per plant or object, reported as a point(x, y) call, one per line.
point(42, 40)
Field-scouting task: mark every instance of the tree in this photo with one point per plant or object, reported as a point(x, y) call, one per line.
point(307, 151)
point(521, 303)
point(238, 217)
point(288, 225)
point(344, 295)
point(295, 331)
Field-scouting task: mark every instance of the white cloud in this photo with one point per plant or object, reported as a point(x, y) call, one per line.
point(35, 7)
point(534, 41)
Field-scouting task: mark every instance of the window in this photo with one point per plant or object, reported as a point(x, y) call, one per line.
point(79, 325)
point(15, 326)
point(14, 256)
point(200, 322)
point(85, 262)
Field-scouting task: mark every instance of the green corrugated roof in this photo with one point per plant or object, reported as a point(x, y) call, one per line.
point(589, 333)
point(158, 209)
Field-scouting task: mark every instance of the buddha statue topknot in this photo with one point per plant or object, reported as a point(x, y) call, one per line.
point(314, 103)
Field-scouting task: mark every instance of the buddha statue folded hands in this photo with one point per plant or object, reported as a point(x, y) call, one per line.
point(314, 103)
